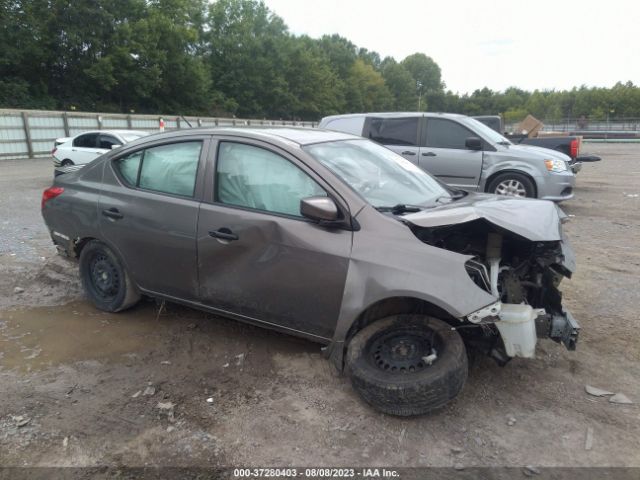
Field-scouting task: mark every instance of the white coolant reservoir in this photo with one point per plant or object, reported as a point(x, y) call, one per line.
point(517, 328)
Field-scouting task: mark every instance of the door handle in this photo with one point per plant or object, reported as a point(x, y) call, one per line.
point(428, 154)
point(408, 152)
point(112, 213)
point(223, 234)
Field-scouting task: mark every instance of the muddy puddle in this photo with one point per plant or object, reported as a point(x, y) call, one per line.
point(37, 338)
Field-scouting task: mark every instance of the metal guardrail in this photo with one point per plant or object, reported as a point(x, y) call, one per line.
point(631, 124)
point(31, 133)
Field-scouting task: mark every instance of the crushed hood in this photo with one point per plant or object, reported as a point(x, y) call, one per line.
point(535, 220)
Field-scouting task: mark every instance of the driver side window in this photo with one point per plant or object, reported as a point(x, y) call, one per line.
point(256, 178)
point(446, 134)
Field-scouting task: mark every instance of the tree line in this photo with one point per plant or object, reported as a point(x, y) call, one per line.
point(235, 57)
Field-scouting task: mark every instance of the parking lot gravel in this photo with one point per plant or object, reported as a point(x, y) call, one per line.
point(174, 386)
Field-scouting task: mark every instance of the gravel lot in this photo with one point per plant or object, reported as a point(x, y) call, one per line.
point(81, 388)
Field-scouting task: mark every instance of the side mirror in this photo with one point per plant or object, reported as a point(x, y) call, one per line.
point(473, 143)
point(321, 209)
point(115, 146)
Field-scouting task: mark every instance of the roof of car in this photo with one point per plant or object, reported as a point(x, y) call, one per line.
point(397, 114)
point(112, 131)
point(297, 135)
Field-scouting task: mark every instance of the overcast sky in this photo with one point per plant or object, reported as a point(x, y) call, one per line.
point(538, 44)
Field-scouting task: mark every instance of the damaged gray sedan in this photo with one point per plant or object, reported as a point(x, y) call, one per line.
point(323, 235)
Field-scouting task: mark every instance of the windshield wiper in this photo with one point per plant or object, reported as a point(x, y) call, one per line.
point(506, 144)
point(454, 195)
point(400, 208)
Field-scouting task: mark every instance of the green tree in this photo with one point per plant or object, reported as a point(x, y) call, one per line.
point(366, 90)
point(426, 73)
point(401, 84)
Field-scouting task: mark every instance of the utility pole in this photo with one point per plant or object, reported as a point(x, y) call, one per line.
point(419, 87)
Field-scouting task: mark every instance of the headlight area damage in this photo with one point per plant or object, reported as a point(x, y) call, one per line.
point(521, 261)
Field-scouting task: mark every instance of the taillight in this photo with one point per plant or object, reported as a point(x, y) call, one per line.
point(55, 149)
point(49, 193)
point(574, 146)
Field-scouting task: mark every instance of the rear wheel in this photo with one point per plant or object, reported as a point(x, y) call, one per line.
point(512, 184)
point(407, 364)
point(105, 280)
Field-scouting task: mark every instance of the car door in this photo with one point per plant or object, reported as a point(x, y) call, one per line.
point(85, 148)
point(399, 134)
point(443, 153)
point(258, 257)
point(148, 212)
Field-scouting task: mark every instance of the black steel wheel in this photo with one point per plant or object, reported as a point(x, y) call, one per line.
point(105, 280)
point(407, 364)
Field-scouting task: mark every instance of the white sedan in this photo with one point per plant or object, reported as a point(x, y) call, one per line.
point(83, 148)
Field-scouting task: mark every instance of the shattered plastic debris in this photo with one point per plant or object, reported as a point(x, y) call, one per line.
point(167, 408)
point(149, 391)
point(588, 441)
point(21, 420)
point(240, 359)
point(621, 399)
point(597, 392)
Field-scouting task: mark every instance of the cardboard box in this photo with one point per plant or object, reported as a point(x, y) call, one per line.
point(530, 126)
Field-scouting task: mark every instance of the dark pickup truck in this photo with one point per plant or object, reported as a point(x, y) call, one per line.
point(569, 145)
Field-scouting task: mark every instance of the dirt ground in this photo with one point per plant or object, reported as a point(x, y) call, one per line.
point(81, 388)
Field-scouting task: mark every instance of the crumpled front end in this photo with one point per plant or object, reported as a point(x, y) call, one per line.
point(522, 274)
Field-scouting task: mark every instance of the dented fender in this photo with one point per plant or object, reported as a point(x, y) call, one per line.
point(388, 261)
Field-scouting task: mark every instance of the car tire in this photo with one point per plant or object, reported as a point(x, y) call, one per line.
point(512, 184)
point(66, 163)
point(385, 362)
point(105, 280)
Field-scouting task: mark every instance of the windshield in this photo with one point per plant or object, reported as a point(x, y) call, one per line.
point(382, 177)
point(486, 131)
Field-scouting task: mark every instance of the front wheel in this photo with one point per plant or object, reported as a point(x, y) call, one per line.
point(105, 280)
point(512, 184)
point(407, 364)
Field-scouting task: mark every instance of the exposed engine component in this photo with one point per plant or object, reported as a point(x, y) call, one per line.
point(518, 272)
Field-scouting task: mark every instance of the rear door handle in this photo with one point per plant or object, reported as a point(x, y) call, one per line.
point(408, 152)
point(428, 154)
point(224, 234)
point(112, 213)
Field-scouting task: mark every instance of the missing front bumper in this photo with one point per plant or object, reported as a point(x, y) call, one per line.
point(520, 325)
point(565, 329)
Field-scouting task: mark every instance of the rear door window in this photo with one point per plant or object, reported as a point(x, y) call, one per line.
point(129, 166)
point(392, 131)
point(87, 140)
point(442, 133)
point(166, 169)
